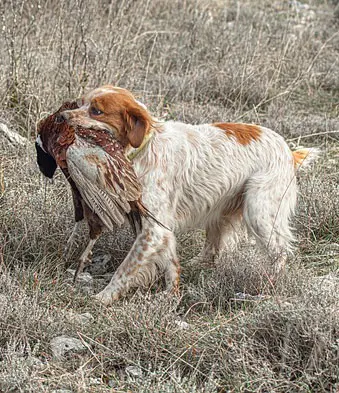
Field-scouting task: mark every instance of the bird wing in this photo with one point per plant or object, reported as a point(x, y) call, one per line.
point(106, 182)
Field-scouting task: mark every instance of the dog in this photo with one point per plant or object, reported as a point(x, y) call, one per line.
point(215, 177)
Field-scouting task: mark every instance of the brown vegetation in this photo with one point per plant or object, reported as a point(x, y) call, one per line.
point(273, 63)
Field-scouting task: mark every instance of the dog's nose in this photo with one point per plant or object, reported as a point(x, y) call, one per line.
point(61, 117)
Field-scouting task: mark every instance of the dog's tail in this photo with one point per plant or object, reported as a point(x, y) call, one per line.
point(305, 156)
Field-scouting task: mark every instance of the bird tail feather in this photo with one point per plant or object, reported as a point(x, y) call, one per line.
point(144, 212)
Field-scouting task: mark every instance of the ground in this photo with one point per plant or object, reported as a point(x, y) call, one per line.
point(273, 63)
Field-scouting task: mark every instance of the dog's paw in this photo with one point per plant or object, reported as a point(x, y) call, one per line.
point(106, 297)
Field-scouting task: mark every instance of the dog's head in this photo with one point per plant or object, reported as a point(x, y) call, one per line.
point(115, 110)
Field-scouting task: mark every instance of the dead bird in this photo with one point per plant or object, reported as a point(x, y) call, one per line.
point(105, 188)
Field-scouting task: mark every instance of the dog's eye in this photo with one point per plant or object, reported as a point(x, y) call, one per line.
point(95, 112)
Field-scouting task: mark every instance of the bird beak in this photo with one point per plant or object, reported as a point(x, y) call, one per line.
point(61, 117)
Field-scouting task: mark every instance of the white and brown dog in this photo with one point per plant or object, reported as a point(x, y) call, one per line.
point(209, 176)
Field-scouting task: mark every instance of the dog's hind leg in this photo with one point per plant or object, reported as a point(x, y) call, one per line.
point(269, 203)
point(220, 236)
point(231, 229)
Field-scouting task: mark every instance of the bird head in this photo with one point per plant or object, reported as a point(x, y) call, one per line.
point(48, 130)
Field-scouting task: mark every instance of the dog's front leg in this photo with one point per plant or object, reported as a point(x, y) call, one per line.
point(154, 246)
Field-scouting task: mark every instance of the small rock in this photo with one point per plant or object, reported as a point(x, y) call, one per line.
point(84, 278)
point(241, 296)
point(298, 5)
point(95, 381)
point(87, 290)
point(84, 318)
point(332, 248)
point(99, 265)
point(62, 391)
point(182, 324)
point(134, 371)
point(34, 362)
point(14, 138)
point(61, 345)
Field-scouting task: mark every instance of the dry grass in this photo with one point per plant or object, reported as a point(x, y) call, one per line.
point(273, 63)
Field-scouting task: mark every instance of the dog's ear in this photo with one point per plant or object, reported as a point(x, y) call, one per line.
point(137, 124)
point(46, 162)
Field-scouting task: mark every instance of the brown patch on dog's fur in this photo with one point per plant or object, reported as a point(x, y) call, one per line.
point(244, 133)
